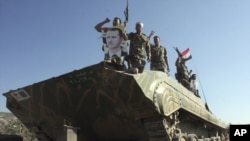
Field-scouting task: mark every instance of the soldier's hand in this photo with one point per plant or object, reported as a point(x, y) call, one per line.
point(152, 32)
point(190, 72)
point(125, 23)
point(149, 58)
point(168, 69)
point(107, 20)
point(175, 48)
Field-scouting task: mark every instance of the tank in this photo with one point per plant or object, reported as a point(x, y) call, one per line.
point(100, 103)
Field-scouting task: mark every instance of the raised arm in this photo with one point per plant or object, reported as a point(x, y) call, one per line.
point(148, 51)
point(151, 34)
point(177, 50)
point(98, 27)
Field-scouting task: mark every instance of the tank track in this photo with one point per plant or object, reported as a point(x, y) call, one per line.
point(156, 129)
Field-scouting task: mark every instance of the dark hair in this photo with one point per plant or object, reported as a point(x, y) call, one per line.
point(118, 19)
point(192, 76)
point(156, 37)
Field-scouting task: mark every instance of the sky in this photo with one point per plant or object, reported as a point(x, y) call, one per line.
point(41, 39)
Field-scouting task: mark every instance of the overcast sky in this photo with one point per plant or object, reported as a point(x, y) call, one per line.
point(40, 39)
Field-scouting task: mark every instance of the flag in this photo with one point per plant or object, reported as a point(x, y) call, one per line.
point(186, 54)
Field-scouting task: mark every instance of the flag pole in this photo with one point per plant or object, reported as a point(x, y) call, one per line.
point(200, 85)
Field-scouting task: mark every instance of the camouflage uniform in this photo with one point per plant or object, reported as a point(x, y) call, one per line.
point(182, 74)
point(139, 48)
point(158, 58)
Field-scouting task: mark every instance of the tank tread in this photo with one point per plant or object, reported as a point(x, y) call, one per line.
point(156, 129)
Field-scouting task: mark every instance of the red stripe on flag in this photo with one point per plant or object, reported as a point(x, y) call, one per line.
point(186, 53)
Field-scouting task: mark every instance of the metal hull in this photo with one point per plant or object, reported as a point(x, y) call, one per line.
point(98, 103)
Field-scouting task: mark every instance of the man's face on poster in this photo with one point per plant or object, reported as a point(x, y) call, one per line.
point(113, 39)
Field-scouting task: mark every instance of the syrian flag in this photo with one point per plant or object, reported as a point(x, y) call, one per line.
point(186, 54)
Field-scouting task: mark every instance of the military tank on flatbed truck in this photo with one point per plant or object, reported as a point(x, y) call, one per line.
point(99, 103)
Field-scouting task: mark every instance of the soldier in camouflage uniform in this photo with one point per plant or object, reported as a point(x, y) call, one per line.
point(194, 85)
point(182, 74)
point(159, 59)
point(139, 49)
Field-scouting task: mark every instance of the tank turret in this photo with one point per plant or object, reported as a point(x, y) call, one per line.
point(102, 104)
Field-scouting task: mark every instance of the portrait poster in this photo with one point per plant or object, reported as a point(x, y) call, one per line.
point(113, 42)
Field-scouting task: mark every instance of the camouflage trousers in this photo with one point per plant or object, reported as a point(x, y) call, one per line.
point(185, 83)
point(116, 63)
point(136, 62)
point(158, 67)
point(183, 80)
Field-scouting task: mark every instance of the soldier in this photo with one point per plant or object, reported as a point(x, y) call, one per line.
point(116, 22)
point(194, 85)
point(159, 59)
point(182, 74)
point(139, 49)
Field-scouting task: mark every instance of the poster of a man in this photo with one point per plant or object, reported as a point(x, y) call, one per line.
point(115, 44)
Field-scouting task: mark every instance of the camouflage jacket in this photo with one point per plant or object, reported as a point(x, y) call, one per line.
point(158, 56)
point(182, 70)
point(139, 45)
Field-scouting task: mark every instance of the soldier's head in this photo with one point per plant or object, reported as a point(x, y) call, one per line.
point(193, 76)
point(117, 21)
point(157, 40)
point(138, 26)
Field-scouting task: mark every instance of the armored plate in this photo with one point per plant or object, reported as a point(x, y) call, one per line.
point(102, 103)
